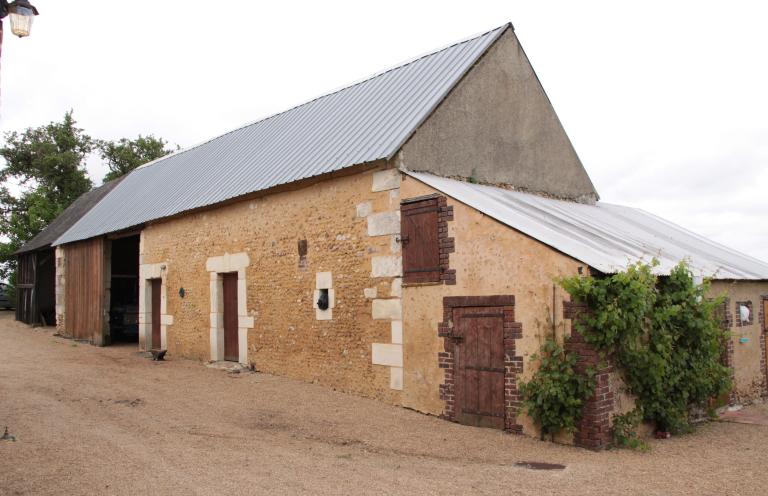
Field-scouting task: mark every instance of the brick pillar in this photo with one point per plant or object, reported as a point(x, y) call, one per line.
point(594, 429)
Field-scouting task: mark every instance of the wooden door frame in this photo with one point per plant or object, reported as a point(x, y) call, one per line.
point(513, 363)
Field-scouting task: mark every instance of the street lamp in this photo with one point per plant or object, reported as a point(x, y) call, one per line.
point(21, 12)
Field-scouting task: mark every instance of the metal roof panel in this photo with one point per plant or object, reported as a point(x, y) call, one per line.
point(605, 236)
point(358, 124)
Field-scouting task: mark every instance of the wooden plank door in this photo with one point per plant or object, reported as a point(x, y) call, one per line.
point(156, 340)
point(480, 366)
point(231, 346)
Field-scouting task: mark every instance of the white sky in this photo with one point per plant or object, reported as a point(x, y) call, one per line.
point(665, 102)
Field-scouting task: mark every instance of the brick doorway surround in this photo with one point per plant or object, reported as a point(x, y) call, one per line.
point(513, 364)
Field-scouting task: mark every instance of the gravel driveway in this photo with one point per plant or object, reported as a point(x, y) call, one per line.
point(107, 421)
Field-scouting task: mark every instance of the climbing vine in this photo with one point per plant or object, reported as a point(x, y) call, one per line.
point(662, 334)
point(556, 394)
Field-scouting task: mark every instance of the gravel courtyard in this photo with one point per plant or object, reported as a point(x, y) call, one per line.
point(93, 420)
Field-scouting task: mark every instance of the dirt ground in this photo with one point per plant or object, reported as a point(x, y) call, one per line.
point(91, 420)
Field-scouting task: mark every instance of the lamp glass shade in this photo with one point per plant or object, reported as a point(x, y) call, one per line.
point(21, 20)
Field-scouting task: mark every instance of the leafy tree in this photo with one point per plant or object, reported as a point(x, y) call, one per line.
point(47, 166)
point(124, 155)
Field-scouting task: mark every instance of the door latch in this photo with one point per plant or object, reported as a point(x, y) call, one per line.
point(402, 240)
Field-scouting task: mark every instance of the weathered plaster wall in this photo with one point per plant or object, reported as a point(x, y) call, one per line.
point(748, 357)
point(349, 225)
point(490, 259)
point(499, 126)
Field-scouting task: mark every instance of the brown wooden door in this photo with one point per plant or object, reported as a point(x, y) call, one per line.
point(231, 347)
point(156, 341)
point(479, 366)
point(421, 247)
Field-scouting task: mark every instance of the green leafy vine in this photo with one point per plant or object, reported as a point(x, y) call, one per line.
point(663, 335)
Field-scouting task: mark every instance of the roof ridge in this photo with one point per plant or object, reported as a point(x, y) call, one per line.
point(332, 92)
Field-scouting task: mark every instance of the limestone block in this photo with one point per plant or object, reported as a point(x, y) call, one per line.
point(229, 262)
point(389, 266)
point(396, 378)
point(387, 354)
point(364, 209)
point(323, 280)
point(384, 223)
point(324, 314)
point(397, 287)
point(386, 180)
point(244, 321)
point(370, 293)
point(394, 244)
point(387, 310)
point(397, 332)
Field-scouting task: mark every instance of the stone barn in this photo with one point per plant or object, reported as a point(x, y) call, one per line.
point(397, 239)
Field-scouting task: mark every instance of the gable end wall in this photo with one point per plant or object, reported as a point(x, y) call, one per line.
point(499, 127)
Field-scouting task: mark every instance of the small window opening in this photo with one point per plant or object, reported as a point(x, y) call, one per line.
point(322, 299)
point(303, 248)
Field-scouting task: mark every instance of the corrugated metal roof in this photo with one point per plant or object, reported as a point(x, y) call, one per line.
point(358, 124)
point(605, 236)
point(68, 217)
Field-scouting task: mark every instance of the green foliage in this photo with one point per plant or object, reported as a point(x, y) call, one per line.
point(47, 166)
point(662, 333)
point(555, 395)
point(625, 430)
point(124, 155)
point(44, 172)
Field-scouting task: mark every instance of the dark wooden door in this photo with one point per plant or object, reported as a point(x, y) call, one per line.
point(156, 287)
point(231, 348)
point(421, 247)
point(479, 366)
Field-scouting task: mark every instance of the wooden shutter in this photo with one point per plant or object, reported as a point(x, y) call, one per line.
point(419, 235)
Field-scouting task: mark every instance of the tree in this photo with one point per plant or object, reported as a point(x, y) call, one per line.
point(124, 155)
point(46, 165)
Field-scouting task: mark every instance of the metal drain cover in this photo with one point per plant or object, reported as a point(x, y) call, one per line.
point(540, 466)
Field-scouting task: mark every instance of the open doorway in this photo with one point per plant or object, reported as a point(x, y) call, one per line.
point(124, 291)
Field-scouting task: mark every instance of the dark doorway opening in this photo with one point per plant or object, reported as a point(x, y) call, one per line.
point(124, 291)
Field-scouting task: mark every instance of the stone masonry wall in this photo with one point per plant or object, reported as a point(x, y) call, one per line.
point(60, 289)
point(338, 235)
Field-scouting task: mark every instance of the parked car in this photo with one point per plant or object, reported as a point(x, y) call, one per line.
point(5, 296)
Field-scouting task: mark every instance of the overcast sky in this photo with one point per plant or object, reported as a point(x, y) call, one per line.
point(665, 102)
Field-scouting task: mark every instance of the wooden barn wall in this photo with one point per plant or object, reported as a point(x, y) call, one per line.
point(84, 299)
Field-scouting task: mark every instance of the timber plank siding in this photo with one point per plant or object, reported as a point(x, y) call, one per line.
point(84, 293)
